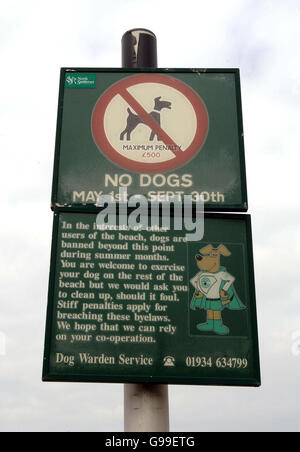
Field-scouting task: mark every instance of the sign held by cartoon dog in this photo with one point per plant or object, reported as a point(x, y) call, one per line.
point(214, 289)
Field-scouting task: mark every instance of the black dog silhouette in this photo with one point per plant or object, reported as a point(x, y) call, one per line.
point(133, 120)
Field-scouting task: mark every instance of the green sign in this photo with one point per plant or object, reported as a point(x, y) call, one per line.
point(149, 306)
point(159, 133)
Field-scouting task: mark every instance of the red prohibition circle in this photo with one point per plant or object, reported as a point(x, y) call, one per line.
point(181, 157)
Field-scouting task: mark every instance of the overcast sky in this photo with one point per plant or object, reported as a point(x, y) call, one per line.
point(259, 37)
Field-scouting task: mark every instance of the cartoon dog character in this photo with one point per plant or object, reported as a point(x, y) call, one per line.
point(214, 290)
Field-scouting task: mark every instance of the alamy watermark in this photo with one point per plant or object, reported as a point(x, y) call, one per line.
point(136, 213)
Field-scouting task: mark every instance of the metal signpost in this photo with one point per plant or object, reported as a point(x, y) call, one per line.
point(148, 307)
point(146, 406)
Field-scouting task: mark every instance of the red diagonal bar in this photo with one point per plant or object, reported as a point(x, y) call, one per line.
point(144, 115)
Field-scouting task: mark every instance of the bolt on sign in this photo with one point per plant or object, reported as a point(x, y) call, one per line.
point(160, 133)
point(149, 306)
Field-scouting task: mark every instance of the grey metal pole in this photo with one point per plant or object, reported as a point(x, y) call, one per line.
point(139, 49)
point(146, 406)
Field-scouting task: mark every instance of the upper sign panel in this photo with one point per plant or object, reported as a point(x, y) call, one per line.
point(158, 133)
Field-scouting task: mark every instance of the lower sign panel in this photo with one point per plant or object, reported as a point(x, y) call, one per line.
point(149, 306)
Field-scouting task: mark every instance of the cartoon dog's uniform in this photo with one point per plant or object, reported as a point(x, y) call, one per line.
point(214, 289)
